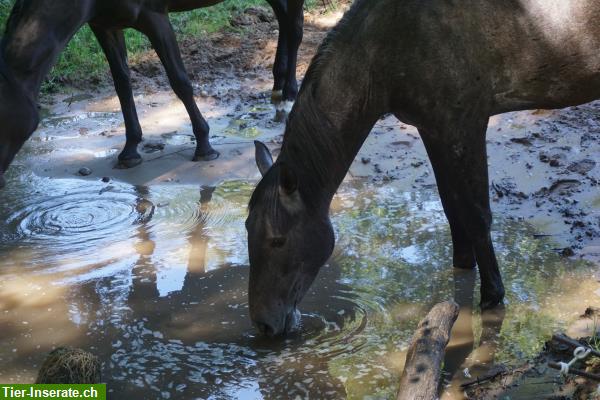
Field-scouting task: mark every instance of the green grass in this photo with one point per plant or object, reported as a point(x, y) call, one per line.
point(83, 59)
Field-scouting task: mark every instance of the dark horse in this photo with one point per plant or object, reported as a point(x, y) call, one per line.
point(443, 66)
point(37, 30)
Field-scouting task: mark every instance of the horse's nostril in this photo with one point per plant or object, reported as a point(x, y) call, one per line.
point(265, 329)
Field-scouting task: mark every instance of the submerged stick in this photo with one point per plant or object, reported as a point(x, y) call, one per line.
point(574, 371)
point(483, 379)
point(420, 379)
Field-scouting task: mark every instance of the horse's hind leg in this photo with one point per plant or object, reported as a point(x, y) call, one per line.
point(290, 16)
point(458, 153)
point(295, 33)
point(281, 56)
point(112, 42)
point(160, 32)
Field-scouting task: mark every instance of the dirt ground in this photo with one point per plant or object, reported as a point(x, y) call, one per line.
point(231, 75)
point(543, 164)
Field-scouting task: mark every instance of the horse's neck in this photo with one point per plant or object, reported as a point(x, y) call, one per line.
point(31, 47)
point(327, 128)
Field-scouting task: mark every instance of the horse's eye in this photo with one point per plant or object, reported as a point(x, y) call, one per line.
point(278, 241)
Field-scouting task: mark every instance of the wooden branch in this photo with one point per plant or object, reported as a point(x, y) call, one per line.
point(420, 379)
point(564, 339)
point(574, 371)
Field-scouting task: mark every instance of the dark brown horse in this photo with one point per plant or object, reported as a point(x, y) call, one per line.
point(444, 66)
point(38, 30)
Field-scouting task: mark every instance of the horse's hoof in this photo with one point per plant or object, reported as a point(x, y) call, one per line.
point(282, 110)
point(128, 163)
point(211, 155)
point(280, 116)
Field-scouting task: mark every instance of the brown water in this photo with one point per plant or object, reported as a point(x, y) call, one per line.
point(153, 280)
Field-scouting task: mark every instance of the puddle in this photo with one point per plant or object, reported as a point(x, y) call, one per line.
point(178, 139)
point(90, 134)
point(153, 280)
point(244, 128)
point(80, 118)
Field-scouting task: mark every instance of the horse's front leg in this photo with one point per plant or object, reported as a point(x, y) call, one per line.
point(112, 42)
point(462, 246)
point(160, 32)
point(458, 154)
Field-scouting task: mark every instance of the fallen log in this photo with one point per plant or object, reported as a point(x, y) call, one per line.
point(420, 379)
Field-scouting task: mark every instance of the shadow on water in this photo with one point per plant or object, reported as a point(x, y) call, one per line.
point(154, 281)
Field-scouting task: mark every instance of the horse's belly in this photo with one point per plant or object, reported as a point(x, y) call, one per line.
point(187, 5)
point(550, 53)
point(558, 87)
point(125, 13)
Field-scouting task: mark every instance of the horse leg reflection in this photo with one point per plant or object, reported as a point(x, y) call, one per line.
point(483, 356)
point(462, 338)
point(144, 291)
point(197, 237)
point(464, 361)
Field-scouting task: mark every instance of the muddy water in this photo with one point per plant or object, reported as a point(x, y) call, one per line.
point(154, 281)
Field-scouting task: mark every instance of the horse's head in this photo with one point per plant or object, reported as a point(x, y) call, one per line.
point(287, 243)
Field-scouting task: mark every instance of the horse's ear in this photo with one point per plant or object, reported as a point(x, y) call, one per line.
point(288, 180)
point(264, 159)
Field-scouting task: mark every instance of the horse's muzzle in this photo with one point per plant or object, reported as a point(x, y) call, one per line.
point(273, 326)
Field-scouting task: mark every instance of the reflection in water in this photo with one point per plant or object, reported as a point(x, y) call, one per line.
point(463, 338)
point(154, 281)
point(464, 361)
point(198, 237)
